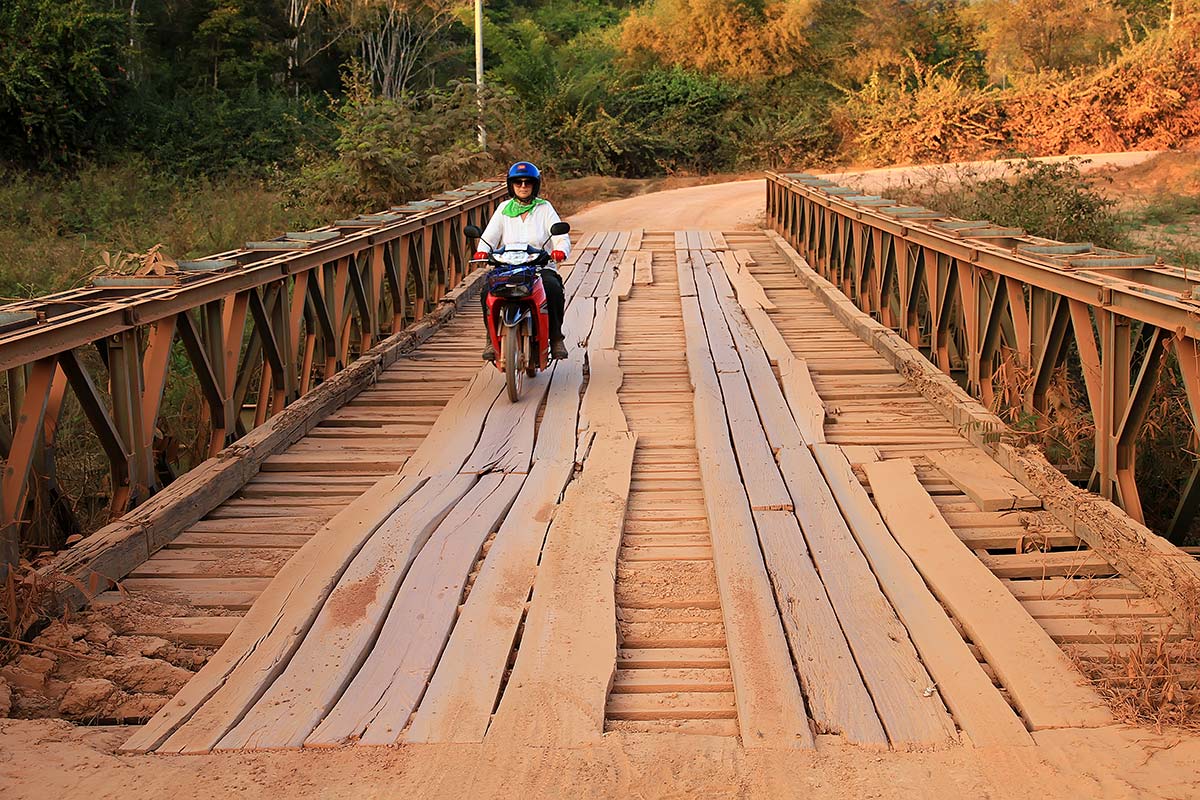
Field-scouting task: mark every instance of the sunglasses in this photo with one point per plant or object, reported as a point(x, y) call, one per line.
point(523, 182)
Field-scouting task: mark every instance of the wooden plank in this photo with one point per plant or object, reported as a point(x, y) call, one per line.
point(778, 350)
point(983, 480)
point(771, 710)
point(254, 525)
point(1047, 689)
point(225, 688)
point(687, 281)
point(110, 553)
point(691, 727)
point(233, 599)
point(806, 405)
point(458, 704)
point(190, 540)
point(821, 642)
point(565, 665)
point(273, 627)
point(1069, 563)
point(674, 658)
point(379, 700)
point(209, 631)
point(1149, 559)
point(1074, 588)
point(1013, 538)
point(601, 408)
point(643, 269)
point(672, 705)
point(636, 681)
point(623, 284)
point(979, 709)
point(1111, 630)
point(750, 293)
point(1084, 609)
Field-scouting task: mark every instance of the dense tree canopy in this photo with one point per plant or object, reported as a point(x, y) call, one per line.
point(204, 87)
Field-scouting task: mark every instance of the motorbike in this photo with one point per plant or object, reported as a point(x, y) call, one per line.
point(517, 320)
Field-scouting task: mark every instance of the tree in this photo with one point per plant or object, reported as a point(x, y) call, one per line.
point(58, 70)
point(245, 42)
point(888, 35)
point(394, 37)
point(1033, 36)
point(734, 38)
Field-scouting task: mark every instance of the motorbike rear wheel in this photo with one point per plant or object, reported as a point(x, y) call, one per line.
point(514, 360)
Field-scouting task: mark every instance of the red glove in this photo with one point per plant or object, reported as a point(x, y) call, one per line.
point(558, 256)
point(479, 256)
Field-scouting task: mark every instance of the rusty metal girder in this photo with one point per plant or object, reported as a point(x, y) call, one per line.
point(72, 319)
point(260, 326)
point(969, 293)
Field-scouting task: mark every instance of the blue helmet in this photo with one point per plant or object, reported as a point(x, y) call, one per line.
point(523, 169)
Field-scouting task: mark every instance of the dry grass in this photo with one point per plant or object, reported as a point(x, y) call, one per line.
point(1147, 98)
point(1153, 681)
point(25, 600)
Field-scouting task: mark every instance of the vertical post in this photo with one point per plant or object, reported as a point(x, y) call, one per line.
point(236, 308)
point(479, 71)
point(1188, 354)
point(1114, 396)
point(125, 389)
point(156, 367)
point(27, 431)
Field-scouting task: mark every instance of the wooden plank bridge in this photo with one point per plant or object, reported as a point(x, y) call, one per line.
point(743, 507)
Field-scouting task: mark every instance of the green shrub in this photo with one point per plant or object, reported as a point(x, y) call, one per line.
point(391, 150)
point(690, 117)
point(58, 66)
point(212, 133)
point(1050, 199)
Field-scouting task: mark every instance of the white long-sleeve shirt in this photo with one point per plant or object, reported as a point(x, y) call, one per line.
point(504, 231)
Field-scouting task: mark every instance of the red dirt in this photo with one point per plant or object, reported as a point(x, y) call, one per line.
point(93, 668)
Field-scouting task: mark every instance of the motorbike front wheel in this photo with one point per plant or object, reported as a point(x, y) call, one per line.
point(514, 360)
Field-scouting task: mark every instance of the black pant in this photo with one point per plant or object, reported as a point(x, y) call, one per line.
point(556, 302)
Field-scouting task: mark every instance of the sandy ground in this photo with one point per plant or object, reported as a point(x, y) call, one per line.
point(52, 758)
point(741, 205)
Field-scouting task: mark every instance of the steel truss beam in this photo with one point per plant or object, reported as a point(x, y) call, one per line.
point(973, 296)
point(261, 325)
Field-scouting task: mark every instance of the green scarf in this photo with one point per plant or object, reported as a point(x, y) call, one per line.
point(515, 208)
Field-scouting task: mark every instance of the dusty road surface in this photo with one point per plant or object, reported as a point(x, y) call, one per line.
point(676, 655)
point(41, 760)
point(741, 205)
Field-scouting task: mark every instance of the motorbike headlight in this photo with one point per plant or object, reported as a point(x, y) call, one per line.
point(514, 257)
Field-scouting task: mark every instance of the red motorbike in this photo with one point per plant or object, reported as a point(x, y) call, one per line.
point(516, 308)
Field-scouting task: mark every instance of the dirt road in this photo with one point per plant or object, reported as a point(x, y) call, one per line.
point(741, 205)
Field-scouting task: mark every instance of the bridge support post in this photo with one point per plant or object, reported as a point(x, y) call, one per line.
point(31, 396)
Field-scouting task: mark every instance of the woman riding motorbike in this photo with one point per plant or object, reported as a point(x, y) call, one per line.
point(526, 219)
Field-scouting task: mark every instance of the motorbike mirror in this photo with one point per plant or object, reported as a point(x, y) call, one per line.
point(559, 228)
point(472, 232)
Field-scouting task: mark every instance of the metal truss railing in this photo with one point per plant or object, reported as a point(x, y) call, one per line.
point(260, 326)
point(970, 293)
